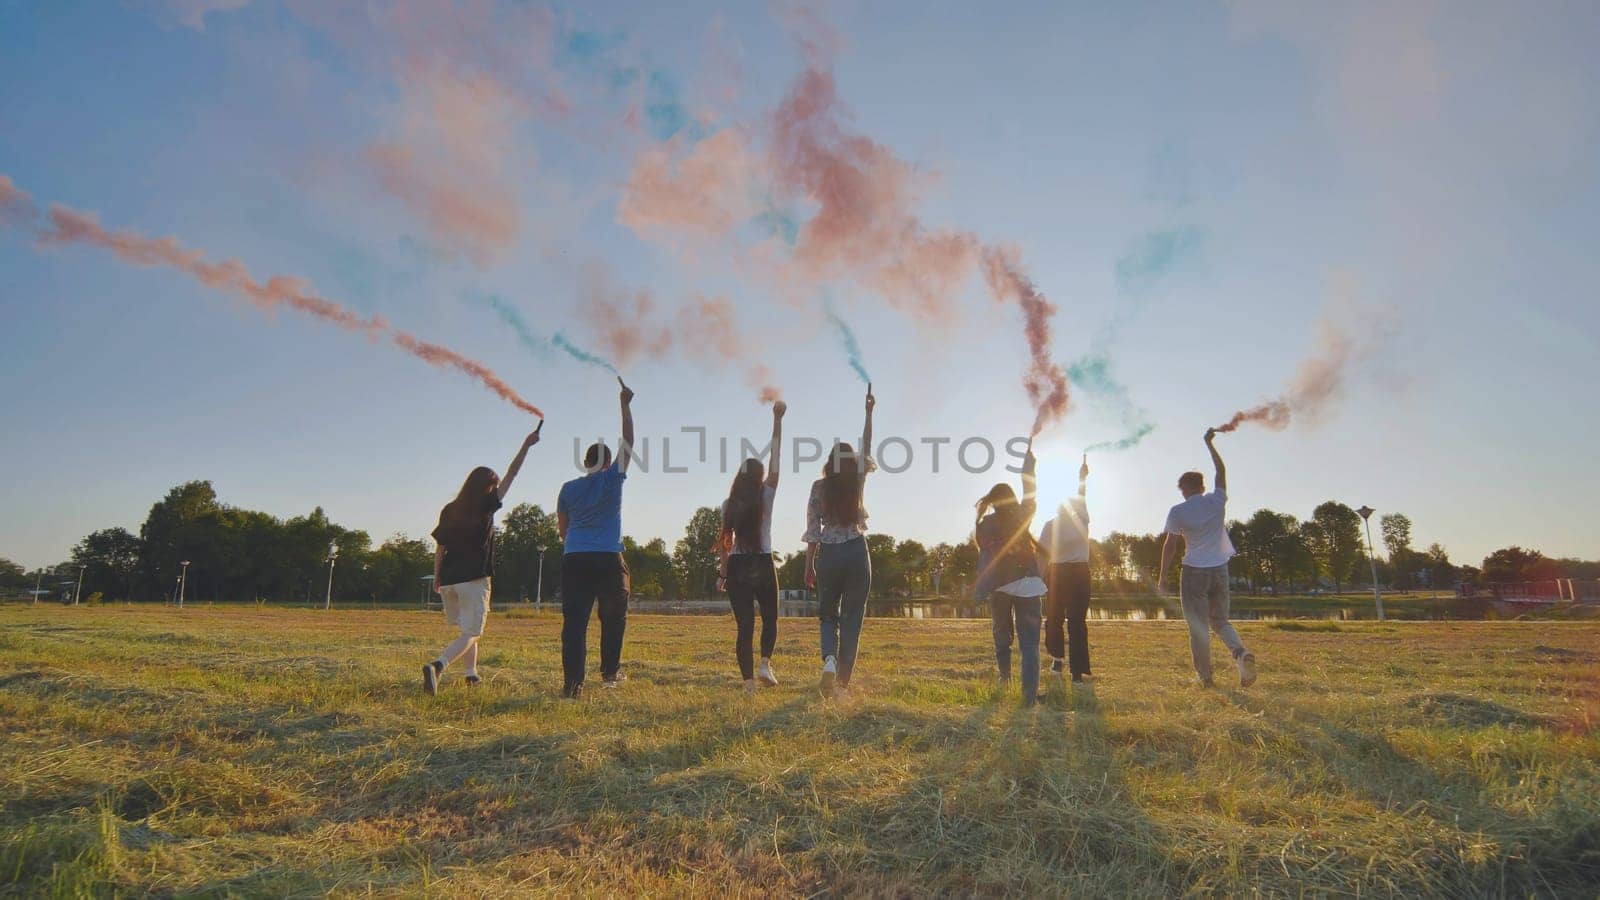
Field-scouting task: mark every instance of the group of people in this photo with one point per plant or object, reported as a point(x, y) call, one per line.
point(1028, 582)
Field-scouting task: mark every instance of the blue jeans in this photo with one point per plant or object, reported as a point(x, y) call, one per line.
point(1026, 612)
point(844, 573)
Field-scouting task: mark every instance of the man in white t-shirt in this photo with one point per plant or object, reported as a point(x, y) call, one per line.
point(1201, 520)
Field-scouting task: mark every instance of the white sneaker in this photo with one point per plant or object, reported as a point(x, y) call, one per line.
point(830, 671)
point(1247, 669)
point(764, 674)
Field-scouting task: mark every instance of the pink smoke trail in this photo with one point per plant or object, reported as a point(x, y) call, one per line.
point(16, 207)
point(68, 226)
point(710, 325)
point(1320, 378)
point(1044, 381)
point(865, 226)
point(624, 320)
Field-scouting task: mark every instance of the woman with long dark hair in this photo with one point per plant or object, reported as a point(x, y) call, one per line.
point(837, 564)
point(463, 561)
point(1008, 575)
point(745, 550)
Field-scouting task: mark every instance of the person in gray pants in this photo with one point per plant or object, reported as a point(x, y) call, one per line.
point(837, 565)
point(1201, 520)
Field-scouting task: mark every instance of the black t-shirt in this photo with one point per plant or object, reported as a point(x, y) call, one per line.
point(468, 542)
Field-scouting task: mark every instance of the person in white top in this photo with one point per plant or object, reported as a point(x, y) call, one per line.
point(745, 548)
point(1201, 520)
point(1064, 560)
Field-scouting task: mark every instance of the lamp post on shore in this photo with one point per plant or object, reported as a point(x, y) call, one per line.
point(538, 582)
point(333, 556)
point(183, 581)
point(77, 591)
point(1366, 516)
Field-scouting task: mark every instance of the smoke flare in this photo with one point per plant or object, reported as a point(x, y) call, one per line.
point(847, 339)
point(68, 226)
point(1320, 377)
point(1044, 381)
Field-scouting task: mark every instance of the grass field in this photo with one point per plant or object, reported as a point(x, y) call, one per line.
point(288, 752)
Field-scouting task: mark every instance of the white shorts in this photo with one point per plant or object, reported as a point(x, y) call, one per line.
point(467, 604)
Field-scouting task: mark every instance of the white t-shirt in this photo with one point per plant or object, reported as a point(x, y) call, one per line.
point(1029, 587)
point(1202, 520)
point(768, 493)
point(1065, 538)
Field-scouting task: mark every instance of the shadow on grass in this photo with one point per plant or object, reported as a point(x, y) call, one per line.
point(1491, 848)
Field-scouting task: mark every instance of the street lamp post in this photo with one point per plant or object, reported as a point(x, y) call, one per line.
point(78, 590)
point(1377, 595)
point(538, 582)
point(183, 581)
point(38, 580)
point(333, 556)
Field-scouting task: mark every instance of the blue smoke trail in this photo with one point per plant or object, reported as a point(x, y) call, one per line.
point(665, 113)
point(1152, 257)
point(1092, 375)
point(538, 345)
point(1156, 254)
point(580, 354)
point(847, 338)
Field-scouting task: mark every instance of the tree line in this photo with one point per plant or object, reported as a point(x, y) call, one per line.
point(236, 554)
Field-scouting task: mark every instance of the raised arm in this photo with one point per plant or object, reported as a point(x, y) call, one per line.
point(1221, 481)
point(866, 431)
point(438, 563)
point(516, 462)
point(1030, 481)
point(778, 409)
point(626, 453)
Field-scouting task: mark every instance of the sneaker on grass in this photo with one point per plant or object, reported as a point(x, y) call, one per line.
point(830, 674)
point(430, 677)
point(1247, 669)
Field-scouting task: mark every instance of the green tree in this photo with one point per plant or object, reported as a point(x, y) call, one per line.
point(110, 561)
point(1513, 564)
point(792, 572)
point(12, 577)
point(1272, 538)
point(694, 558)
point(1396, 528)
point(523, 531)
point(1338, 540)
point(650, 568)
point(173, 532)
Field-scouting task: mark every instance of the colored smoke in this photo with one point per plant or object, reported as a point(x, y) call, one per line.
point(68, 226)
point(1093, 376)
point(537, 344)
point(1321, 377)
point(847, 339)
point(1044, 381)
point(865, 226)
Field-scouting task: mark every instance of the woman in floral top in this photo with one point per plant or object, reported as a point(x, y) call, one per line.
point(837, 565)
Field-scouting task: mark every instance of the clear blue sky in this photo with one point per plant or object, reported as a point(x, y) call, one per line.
point(1437, 162)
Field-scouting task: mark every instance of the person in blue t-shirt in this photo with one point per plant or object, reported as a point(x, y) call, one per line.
point(589, 516)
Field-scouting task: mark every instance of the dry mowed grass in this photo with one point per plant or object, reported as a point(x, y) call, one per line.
point(291, 752)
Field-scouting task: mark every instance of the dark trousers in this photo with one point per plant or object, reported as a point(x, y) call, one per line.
point(588, 579)
point(752, 583)
point(1069, 604)
point(844, 576)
